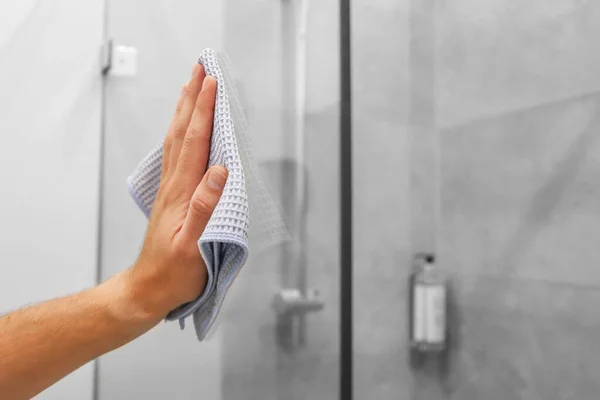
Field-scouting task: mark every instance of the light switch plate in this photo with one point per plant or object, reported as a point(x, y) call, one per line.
point(124, 61)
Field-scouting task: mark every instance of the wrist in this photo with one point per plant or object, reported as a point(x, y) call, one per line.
point(129, 301)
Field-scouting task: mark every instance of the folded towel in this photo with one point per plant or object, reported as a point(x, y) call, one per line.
point(224, 243)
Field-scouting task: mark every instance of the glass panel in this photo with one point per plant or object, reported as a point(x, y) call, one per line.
point(291, 102)
point(50, 125)
point(381, 113)
point(517, 100)
point(475, 138)
point(295, 138)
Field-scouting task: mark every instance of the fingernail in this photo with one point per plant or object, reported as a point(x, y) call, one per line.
point(217, 177)
point(195, 70)
point(205, 83)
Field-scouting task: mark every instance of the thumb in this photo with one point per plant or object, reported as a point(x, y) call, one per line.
point(203, 202)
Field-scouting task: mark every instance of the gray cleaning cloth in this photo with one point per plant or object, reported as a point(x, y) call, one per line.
point(224, 243)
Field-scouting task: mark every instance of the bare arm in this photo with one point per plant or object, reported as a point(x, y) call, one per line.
point(41, 344)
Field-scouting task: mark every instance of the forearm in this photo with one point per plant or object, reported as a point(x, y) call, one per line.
point(41, 344)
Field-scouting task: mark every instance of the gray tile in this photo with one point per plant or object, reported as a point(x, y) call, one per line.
point(495, 56)
point(382, 223)
point(519, 194)
point(379, 59)
point(524, 340)
point(380, 315)
point(382, 376)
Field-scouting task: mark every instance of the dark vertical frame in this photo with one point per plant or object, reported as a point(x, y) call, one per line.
point(346, 347)
point(96, 373)
point(346, 237)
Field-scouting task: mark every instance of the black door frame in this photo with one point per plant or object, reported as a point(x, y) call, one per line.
point(346, 348)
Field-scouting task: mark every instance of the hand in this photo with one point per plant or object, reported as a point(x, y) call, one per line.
point(41, 344)
point(170, 270)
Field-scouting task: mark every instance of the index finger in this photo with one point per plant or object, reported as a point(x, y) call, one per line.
point(193, 158)
point(169, 138)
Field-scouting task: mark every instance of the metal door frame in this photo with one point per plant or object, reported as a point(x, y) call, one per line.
point(345, 249)
point(346, 347)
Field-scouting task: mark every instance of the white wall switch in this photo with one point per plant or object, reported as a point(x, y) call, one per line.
point(123, 61)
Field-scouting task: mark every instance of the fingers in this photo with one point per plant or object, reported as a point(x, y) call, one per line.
point(203, 202)
point(196, 144)
point(168, 140)
point(185, 114)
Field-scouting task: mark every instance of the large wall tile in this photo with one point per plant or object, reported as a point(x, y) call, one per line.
point(523, 340)
point(520, 194)
point(501, 55)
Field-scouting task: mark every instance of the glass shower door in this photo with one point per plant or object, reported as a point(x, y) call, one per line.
point(285, 59)
point(517, 112)
point(476, 127)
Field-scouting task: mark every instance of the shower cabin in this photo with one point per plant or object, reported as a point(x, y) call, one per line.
point(471, 136)
point(462, 130)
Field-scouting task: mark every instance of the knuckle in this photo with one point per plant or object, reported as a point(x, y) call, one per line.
point(163, 190)
point(185, 250)
point(169, 135)
point(167, 144)
point(196, 132)
point(179, 130)
point(162, 199)
point(181, 248)
point(184, 158)
point(192, 132)
point(201, 207)
point(191, 251)
point(170, 193)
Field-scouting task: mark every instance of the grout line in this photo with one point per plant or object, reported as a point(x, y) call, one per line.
point(457, 125)
point(524, 280)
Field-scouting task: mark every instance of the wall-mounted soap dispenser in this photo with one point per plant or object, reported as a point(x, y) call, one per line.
point(428, 305)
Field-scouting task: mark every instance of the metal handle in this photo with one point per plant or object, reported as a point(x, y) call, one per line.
point(294, 302)
point(291, 306)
